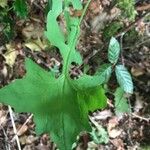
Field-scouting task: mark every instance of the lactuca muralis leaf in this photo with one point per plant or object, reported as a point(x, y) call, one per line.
point(60, 105)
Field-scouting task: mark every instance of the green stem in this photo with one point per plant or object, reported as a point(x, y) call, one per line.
point(66, 15)
point(75, 37)
point(84, 11)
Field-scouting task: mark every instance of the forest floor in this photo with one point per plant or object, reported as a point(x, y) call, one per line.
point(127, 131)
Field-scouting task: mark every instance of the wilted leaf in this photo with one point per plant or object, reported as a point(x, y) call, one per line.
point(113, 50)
point(10, 55)
point(112, 130)
point(37, 45)
point(114, 133)
point(138, 71)
point(124, 78)
point(102, 115)
point(33, 30)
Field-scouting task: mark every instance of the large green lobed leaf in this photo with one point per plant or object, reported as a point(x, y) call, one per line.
point(60, 105)
point(59, 109)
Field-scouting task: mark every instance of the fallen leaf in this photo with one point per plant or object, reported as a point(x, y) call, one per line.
point(3, 118)
point(114, 133)
point(102, 115)
point(32, 30)
point(37, 45)
point(137, 71)
point(138, 103)
point(118, 143)
point(10, 55)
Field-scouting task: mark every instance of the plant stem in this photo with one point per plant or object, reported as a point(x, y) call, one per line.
point(66, 15)
point(84, 11)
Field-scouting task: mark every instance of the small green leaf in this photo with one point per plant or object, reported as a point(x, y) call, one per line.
point(121, 105)
point(113, 50)
point(99, 134)
point(20, 7)
point(124, 78)
point(105, 70)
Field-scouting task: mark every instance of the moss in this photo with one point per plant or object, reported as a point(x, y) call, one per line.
point(131, 36)
point(111, 29)
point(127, 9)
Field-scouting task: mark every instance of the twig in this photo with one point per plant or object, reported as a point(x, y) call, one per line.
point(130, 120)
point(14, 127)
point(143, 8)
point(140, 117)
point(131, 25)
point(121, 48)
point(28, 119)
point(84, 11)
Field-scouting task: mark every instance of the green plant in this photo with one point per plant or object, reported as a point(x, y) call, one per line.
point(61, 105)
point(127, 8)
point(18, 7)
point(123, 76)
point(111, 29)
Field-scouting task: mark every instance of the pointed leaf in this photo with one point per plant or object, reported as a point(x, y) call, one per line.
point(124, 78)
point(121, 105)
point(105, 70)
point(113, 50)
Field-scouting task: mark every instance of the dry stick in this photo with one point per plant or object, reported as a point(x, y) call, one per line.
point(131, 25)
point(121, 48)
point(143, 8)
point(140, 117)
point(28, 119)
point(130, 120)
point(14, 127)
